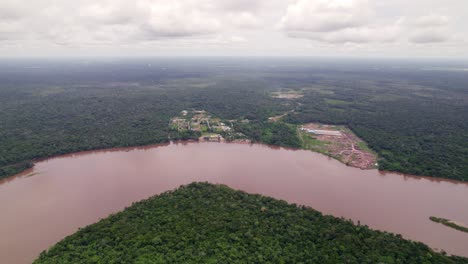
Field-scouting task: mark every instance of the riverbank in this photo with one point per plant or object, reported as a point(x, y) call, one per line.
point(65, 193)
point(338, 142)
point(28, 164)
point(349, 149)
point(167, 142)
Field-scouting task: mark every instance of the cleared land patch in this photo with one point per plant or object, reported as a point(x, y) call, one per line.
point(278, 117)
point(338, 142)
point(290, 94)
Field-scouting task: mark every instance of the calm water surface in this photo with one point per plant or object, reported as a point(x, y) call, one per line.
point(51, 201)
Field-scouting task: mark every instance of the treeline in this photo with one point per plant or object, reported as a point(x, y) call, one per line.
point(416, 121)
point(271, 133)
point(411, 136)
point(8, 170)
point(44, 121)
point(415, 129)
point(204, 223)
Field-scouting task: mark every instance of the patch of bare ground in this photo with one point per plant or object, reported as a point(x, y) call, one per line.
point(278, 118)
point(241, 141)
point(346, 146)
point(287, 95)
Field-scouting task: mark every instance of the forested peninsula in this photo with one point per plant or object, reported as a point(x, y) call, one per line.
point(206, 223)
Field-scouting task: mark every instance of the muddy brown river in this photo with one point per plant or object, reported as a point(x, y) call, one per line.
point(51, 201)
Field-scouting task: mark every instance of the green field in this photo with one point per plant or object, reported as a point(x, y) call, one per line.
point(309, 142)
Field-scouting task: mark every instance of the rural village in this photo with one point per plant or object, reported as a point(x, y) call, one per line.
point(211, 129)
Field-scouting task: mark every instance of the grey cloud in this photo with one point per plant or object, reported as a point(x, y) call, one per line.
point(328, 25)
point(429, 37)
point(352, 35)
point(150, 32)
point(330, 38)
point(430, 29)
point(10, 30)
point(431, 21)
point(240, 5)
point(12, 10)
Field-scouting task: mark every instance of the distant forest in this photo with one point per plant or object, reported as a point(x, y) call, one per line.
point(415, 119)
point(204, 223)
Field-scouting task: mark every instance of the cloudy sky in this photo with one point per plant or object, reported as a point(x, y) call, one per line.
point(359, 28)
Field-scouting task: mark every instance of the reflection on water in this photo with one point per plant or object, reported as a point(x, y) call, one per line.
point(43, 205)
point(407, 177)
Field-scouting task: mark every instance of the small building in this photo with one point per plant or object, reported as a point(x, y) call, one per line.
point(323, 132)
point(212, 138)
point(225, 128)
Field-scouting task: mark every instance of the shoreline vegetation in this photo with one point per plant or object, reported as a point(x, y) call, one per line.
point(269, 133)
point(298, 140)
point(11, 170)
point(196, 140)
point(15, 169)
point(449, 223)
point(208, 223)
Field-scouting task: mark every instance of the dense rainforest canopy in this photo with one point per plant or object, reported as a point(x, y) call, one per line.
point(204, 223)
point(416, 120)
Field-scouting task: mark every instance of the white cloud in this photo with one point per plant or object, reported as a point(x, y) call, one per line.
point(221, 40)
point(9, 29)
point(89, 21)
point(102, 13)
point(355, 21)
point(257, 26)
point(244, 20)
point(177, 20)
point(325, 15)
point(336, 21)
